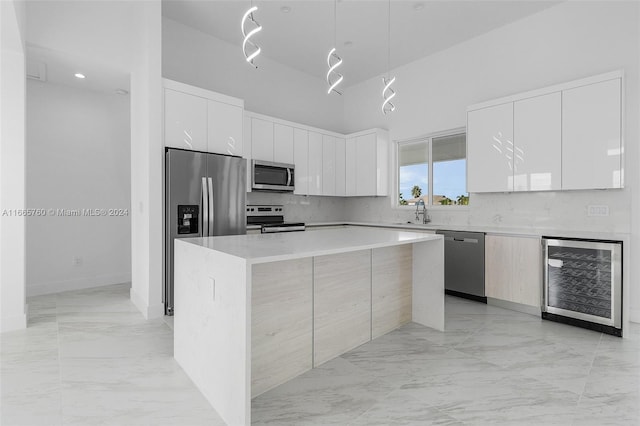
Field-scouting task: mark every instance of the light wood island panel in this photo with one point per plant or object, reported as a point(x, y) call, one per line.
point(281, 322)
point(341, 303)
point(391, 288)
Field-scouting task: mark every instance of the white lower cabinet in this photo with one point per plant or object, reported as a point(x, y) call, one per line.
point(315, 163)
point(513, 269)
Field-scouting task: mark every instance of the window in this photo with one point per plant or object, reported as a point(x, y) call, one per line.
point(433, 169)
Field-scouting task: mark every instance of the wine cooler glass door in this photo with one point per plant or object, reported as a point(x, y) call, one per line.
point(583, 280)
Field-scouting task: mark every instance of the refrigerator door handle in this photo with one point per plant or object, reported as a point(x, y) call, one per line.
point(205, 208)
point(210, 215)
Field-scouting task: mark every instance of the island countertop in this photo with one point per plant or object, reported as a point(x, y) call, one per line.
point(263, 248)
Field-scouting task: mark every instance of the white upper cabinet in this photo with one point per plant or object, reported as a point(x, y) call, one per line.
point(247, 149)
point(351, 166)
point(225, 123)
point(301, 161)
point(567, 136)
point(315, 163)
point(185, 121)
point(261, 139)
point(328, 165)
point(537, 137)
point(282, 143)
point(490, 149)
point(340, 168)
point(591, 136)
point(366, 164)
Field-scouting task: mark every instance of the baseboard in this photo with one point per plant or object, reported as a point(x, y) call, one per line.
point(16, 322)
point(76, 284)
point(634, 315)
point(513, 306)
point(148, 311)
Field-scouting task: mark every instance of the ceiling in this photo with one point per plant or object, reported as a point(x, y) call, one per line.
point(90, 37)
point(302, 37)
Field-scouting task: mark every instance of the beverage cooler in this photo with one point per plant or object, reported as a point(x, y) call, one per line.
point(583, 283)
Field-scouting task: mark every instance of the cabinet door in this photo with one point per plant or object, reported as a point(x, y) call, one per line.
point(261, 139)
point(366, 153)
point(490, 149)
point(591, 136)
point(537, 135)
point(282, 144)
point(513, 269)
point(340, 167)
point(225, 125)
point(350, 167)
point(185, 121)
point(328, 165)
point(247, 149)
point(315, 163)
point(301, 161)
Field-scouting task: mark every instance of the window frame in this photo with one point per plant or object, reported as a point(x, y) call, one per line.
point(428, 138)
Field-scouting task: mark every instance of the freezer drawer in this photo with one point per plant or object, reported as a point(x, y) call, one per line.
point(464, 264)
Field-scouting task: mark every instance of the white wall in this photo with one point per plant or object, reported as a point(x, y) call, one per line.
point(147, 160)
point(566, 42)
point(77, 158)
point(12, 164)
point(193, 57)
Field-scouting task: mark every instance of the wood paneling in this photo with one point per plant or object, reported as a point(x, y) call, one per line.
point(391, 288)
point(342, 303)
point(281, 322)
point(513, 269)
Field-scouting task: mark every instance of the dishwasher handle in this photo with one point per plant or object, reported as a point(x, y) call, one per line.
point(462, 240)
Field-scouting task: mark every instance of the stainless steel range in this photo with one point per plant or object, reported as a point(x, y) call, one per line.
point(583, 283)
point(271, 219)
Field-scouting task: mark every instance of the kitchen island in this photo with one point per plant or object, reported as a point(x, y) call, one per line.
point(253, 311)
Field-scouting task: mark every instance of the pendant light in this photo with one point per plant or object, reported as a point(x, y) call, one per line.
point(387, 92)
point(333, 60)
point(249, 47)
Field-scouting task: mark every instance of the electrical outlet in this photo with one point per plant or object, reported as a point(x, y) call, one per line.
point(601, 210)
point(76, 261)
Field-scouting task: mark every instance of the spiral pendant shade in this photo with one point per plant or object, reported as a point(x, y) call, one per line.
point(250, 49)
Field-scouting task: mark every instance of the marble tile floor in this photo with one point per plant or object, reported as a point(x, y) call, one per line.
point(89, 358)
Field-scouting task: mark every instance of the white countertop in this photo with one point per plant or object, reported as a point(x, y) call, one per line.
point(262, 248)
point(499, 230)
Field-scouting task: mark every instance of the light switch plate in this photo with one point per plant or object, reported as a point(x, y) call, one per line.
point(600, 210)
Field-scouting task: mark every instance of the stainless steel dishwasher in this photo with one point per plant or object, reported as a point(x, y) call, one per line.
point(464, 264)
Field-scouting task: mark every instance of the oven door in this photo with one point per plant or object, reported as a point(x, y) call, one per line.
point(583, 280)
point(269, 176)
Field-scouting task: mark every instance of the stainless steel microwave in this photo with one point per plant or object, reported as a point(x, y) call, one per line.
point(270, 176)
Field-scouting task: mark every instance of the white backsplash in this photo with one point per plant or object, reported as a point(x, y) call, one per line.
point(566, 210)
point(299, 208)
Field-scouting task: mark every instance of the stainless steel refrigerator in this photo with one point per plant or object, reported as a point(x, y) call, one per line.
point(205, 196)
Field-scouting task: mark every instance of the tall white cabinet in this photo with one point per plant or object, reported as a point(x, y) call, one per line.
point(564, 137)
point(301, 161)
point(282, 143)
point(315, 163)
point(328, 165)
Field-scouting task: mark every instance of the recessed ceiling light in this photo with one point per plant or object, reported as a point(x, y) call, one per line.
point(79, 75)
point(285, 9)
point(121, 92)
point(348, 43)
point(418, 6)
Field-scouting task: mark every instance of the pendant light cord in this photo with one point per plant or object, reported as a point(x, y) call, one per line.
point(389, 41)
point(335, 23)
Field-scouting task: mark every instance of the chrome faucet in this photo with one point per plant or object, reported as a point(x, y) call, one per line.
point(425, 217)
